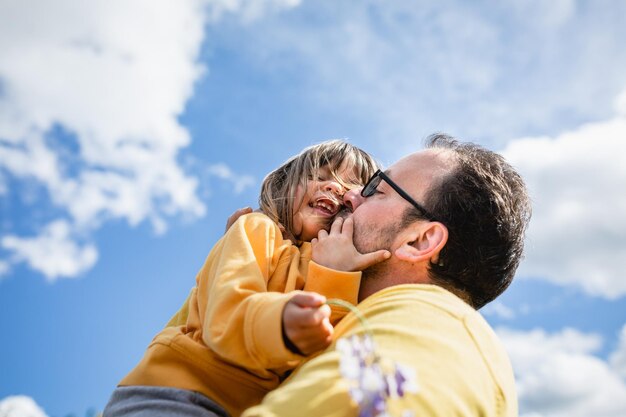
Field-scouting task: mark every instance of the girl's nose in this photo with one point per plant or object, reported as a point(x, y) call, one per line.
point(334, 187)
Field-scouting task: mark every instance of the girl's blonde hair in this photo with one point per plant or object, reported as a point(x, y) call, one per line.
point(278, 191)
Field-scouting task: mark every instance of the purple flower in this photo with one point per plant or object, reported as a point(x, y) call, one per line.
point(370, 383)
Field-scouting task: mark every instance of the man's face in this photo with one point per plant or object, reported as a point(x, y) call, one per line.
point(377, 219)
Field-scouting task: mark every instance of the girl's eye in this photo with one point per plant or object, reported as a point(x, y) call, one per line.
point(320, 178)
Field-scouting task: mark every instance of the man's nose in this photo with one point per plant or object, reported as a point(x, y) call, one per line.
point(353, 199)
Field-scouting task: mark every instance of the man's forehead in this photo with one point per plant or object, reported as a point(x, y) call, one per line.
point(410, 162)
point(431, 158)
point(422, 166)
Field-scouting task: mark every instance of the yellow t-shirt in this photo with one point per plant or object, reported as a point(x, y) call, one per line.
point(453, 361)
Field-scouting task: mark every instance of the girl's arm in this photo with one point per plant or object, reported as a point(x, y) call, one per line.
point(240, 317)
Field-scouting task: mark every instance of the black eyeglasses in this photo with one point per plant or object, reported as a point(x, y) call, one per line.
point(372, 185)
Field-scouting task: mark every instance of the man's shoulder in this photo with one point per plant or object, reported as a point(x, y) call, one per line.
point(431, 307)
point(422, 325)
point(424, 295)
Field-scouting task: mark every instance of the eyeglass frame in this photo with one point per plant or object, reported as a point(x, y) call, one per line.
point(371, 186)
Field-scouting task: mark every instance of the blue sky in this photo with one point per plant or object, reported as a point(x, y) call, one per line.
point(130, 130)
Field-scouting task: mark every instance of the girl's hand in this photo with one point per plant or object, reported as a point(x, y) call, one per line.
point(336, 249)
point(247, 210)
point(237, 214)
point(306, 323)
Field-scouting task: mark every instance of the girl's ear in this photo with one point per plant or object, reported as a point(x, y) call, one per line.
point(423, 242)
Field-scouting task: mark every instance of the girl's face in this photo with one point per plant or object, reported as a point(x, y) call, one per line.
point(317, 204)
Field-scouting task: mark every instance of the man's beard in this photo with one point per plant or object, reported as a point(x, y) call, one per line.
point(369, 237)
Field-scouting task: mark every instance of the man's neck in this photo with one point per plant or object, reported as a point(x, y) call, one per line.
point(373, 280)
point(367, 290)
point(386, 275)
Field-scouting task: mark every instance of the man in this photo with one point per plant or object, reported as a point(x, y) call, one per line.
point(453, 217)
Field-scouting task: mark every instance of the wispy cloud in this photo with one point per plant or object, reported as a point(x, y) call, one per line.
point(5, 267)
point(224, 172)
point(500, 310)
point(20, 406)
point(406, 69)
point(90, 95)
point(55, 252)
point(618, 358)
point(578, 232)
point(555, 374)
point(248, 10)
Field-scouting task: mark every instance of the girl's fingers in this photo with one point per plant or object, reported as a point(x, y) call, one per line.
point(368, 259)
point(336, 226)
point(348, 227)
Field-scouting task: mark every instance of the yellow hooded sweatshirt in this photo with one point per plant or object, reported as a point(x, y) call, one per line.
point(228, 344)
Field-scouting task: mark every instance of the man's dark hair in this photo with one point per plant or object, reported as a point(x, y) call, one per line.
point(485, 206)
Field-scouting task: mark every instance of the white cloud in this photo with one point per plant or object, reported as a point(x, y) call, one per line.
point(20, 406)
point(577, 235)
point(618, 357)
point(113, 76)
point(553, 14)
point(249, 10)
point(557, 375)
point(620, 103)
point(239, 182)
point(54, 252)
point(3, 186)
point(5, 267)
point(498, 309)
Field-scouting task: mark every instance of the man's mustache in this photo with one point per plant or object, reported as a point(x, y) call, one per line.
point(345, 212)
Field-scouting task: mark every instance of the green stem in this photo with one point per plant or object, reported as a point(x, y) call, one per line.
point(353, 309)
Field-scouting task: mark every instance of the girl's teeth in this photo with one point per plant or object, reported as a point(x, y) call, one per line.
point(325, 206)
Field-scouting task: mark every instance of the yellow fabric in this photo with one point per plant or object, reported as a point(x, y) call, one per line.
point(226, 341)
point(461, 368)
point(180, 317)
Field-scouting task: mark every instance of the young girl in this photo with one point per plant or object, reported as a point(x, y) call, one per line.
point(245, 325)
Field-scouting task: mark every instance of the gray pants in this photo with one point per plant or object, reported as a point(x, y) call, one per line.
point(141, 401)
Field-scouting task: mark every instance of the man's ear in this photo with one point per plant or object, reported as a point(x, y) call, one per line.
point(423, 242)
